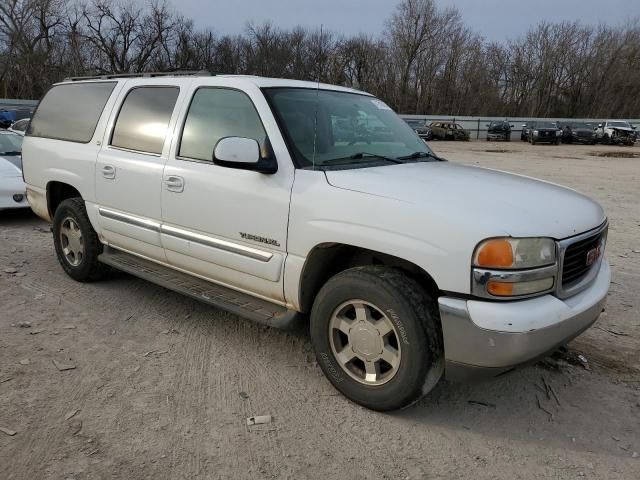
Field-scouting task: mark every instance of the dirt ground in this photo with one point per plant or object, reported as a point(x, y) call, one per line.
point(162, 385)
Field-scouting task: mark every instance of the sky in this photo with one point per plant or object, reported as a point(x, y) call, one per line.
point(496, 20)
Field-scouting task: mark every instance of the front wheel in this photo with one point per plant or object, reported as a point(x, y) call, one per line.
point(76, 242)
point(377, 337)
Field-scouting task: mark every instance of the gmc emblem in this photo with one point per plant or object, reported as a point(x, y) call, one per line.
point(593, 255)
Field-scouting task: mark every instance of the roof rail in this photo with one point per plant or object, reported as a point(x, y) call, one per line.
point(177, 73)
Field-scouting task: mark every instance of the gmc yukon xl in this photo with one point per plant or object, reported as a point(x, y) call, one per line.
point(284, 200)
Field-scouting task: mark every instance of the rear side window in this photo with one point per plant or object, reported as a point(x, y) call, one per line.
point(71, 111)
point(144, 118)
point(216, 113)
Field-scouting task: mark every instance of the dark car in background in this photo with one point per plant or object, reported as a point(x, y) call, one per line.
point(449, 131)
point(544, 132)
point(499, 130)
point(421, 128)
point(579, 132)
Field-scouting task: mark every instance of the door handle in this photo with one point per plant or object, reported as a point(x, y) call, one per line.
point(174, 183)
point(109, 171)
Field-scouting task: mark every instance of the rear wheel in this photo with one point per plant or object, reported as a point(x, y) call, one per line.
point(76, 242)
point(377, 338)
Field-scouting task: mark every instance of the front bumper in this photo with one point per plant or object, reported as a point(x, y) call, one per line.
point(498, 135)
point(488, 338)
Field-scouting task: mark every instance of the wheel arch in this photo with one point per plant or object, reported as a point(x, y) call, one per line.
point(57, 192)
point(328, 259)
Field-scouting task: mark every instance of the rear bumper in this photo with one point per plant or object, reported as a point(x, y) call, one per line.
point(488, 338)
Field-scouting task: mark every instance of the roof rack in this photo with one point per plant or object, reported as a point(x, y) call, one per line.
point(198, 73)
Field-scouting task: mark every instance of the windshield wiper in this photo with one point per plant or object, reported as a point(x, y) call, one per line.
point(13, 152)
point(358, 156)
point(416, 155)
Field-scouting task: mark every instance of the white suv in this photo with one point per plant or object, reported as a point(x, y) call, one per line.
point(275, 198)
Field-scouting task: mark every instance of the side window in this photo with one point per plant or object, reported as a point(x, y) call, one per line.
point(144, 118)
point(216, 113)
point(71, 111)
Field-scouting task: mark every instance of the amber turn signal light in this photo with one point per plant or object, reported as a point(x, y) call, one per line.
point(496, 253)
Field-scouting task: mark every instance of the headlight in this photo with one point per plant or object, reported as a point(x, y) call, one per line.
point(515, 253)
point(514, 267)
point(535, 132)
point(558, 133)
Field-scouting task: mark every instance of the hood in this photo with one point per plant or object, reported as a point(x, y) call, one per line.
point(491, 202)
point(582, 130)
point(8, 168)
point(622, 129)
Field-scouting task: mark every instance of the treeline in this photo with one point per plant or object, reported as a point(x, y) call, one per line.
point(426, 61)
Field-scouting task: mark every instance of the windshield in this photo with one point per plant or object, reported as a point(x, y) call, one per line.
point(415, 123)
point(498, 124)
point(325, 127)
point(580, 126)
point(10, 143)
point(619, 124)
point(546, 125)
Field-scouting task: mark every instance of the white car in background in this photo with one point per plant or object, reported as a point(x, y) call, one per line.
point(12, 188)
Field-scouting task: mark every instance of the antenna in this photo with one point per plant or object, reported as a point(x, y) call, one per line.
point(315, 121)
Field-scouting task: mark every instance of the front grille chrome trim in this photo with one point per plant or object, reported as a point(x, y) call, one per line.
point(573, 288)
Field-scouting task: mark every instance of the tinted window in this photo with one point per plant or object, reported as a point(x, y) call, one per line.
point(144, 118)
point(216, 113)
point(71, 111)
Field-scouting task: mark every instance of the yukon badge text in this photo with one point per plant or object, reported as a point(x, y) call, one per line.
point(257, 238)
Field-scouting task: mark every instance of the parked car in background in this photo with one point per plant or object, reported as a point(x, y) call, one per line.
point(615, 132)
point(12, 188)
point(19, 126)
point(524, 133)
point(421, 128)
point(578, 132)
point(499, 130)
point(448, 131)
point(544, 132)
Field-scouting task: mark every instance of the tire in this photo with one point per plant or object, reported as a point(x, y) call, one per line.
point(71, 217)
point(412, 325)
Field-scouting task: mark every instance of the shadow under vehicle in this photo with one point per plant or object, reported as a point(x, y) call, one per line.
point(579, 132)
point(499, 130)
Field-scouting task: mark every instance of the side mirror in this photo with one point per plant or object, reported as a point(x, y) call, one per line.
point(242, 153)
point(511, 126)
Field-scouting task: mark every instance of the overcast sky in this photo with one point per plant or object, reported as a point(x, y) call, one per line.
point(494, 19)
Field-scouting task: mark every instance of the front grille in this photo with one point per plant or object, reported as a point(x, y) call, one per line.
point(575, 265)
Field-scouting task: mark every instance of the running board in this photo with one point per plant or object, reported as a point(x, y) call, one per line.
point(239, 303)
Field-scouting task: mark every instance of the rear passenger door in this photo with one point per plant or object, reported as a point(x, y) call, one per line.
point(129, 168)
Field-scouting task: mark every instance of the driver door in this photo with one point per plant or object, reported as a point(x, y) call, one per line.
point(224, 224)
